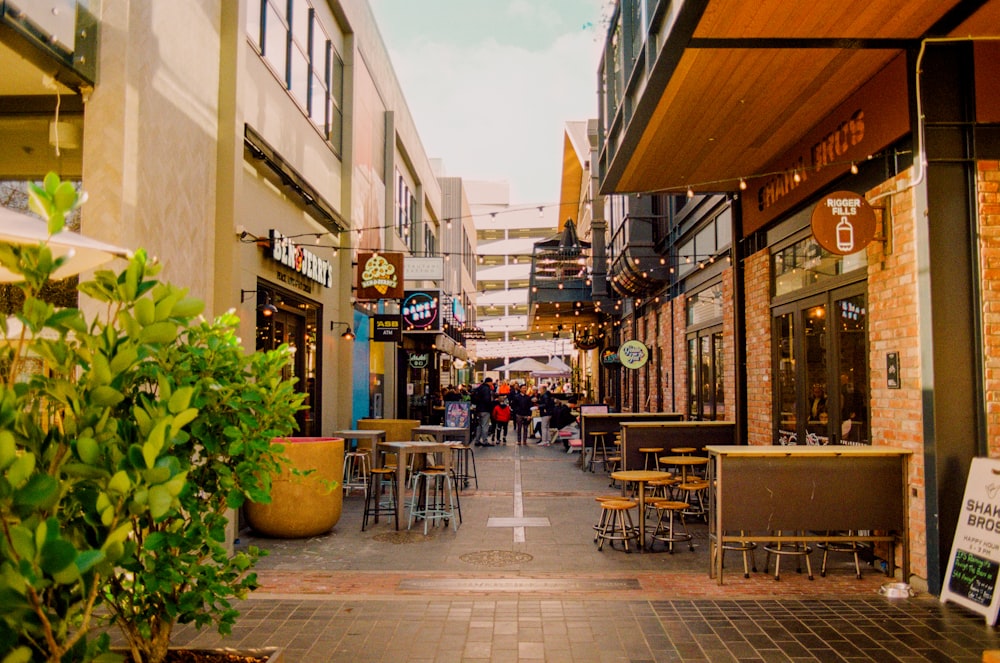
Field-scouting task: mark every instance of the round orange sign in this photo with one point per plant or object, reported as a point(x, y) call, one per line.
point(843, 222)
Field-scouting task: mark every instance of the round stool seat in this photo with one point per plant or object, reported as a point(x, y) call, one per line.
point(684, 451)
point(655, 451)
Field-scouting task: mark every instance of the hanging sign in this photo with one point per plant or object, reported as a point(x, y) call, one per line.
point(380, 276)
point(633, 354)
point(609, 358)
point(420, 310)
point(974, 565)
point(843, 222)
point(419, 359)
point(387, 328)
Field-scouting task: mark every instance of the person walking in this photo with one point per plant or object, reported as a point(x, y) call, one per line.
point(546, 403)
point(482, 399)
point(520, 404)
point(501, 418)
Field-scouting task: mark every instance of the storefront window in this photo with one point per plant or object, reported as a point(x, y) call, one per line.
point(805, 264)
point(785, 379)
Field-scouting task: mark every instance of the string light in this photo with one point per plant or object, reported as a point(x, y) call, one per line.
point(854, 168)
point(690, 193)
point(743, 184)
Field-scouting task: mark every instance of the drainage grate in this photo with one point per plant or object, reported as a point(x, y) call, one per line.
point(495, 558)
point(401, 537)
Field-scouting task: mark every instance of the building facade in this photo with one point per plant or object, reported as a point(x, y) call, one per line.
point(888, 340)
point(256, 148)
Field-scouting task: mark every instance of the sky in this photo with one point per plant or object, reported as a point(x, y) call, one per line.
point(491, 83)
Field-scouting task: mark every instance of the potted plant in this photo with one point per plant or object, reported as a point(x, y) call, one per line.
point(119, 460)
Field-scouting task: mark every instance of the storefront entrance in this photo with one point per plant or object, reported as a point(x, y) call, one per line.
point(293, 321)
point(821, 369)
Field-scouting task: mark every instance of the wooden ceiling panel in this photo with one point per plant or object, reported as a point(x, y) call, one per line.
point(857, 19)
point(727, 114)
point(985, 22)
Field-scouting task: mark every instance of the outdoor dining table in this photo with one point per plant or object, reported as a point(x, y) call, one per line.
point(443, 433)
point(374, 436)
point(640, 477)
point(403, 450)
point(683, 462)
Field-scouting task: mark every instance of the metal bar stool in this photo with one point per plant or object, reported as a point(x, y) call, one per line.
point(780, 549)
point(745, 547)
point(357, 467)
point(852, 547)
point(464, 462)
point(374, 504)
point(438, 500)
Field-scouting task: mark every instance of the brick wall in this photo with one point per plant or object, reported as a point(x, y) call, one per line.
point(893, 318)
point(757, 283)
point(989, 255)
point(729, 349)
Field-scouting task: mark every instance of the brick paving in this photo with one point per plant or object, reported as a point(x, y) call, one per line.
point(479, 594)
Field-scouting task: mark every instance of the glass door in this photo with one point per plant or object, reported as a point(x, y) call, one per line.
point(821, 370)
point(294, 322)
point(706, 400)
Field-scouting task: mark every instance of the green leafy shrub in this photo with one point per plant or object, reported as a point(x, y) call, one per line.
point(119, 460)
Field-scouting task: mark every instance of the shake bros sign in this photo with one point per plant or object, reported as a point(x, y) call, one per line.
point(286, 252)
point(974, 565)
point(633, 354)
point(380, 276)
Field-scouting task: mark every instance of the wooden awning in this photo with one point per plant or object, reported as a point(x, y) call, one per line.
point(736, 83)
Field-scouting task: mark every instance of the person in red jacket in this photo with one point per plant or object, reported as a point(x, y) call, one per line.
point(501, 417)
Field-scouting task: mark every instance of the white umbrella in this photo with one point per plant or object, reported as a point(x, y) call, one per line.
point(83, 252)
point(526, 365)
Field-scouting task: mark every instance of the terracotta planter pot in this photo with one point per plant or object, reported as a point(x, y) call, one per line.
point(303, 506)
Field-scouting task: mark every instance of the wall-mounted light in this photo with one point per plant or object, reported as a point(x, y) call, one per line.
point(348, 333)
point(267, 309)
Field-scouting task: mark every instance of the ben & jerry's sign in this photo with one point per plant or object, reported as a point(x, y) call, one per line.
point(380, 276)
point(286, 252)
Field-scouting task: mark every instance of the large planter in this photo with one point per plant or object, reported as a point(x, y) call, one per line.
point(303, 506)
point(264, 655)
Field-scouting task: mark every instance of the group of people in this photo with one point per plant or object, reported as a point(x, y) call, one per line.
point(498, 405)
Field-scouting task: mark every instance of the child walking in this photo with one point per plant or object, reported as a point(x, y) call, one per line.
point(501, 417)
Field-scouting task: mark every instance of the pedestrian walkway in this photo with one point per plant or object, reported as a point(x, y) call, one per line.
point(522, 580)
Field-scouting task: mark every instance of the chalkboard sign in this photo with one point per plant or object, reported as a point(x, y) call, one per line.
point(973, 577)
point(974, 565)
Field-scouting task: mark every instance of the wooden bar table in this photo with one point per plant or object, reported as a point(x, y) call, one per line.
point(371, 436)
point(640, 477)
point(818, 493)
point(444, 433)
point(403, 450)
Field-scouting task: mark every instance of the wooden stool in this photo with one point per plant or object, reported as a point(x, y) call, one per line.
point(780, 549)
point(597, 448)
point(655, 452)
point(668, 535)
point(374, 505)
point(604, 514)
point(693, 493)
point(618, 524)
point(683, 451)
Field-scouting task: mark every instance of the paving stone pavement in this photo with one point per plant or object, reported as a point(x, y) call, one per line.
point(493, 591)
